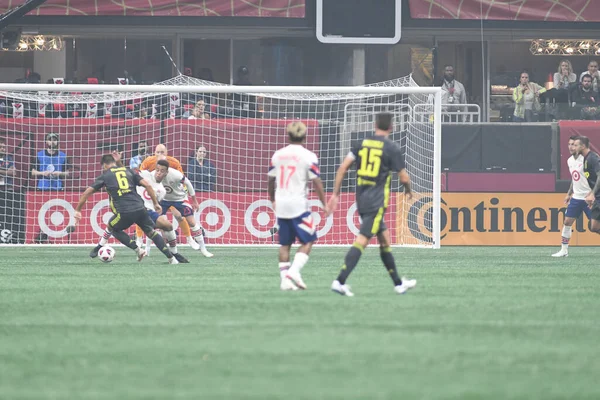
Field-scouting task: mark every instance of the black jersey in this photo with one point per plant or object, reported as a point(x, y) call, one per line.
point(376, 157)
point(591, 169)
point(120, 183)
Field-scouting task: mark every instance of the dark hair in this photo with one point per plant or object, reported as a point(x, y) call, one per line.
point(586, 76)
point(573, 137)
point(448, 65)
point(383, 121)
point(164, 163)
point(107, 159)
point(585, 141)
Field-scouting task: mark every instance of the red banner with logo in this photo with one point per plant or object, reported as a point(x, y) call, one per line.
point(522, 10)
point(227, 218)
point(168, 8)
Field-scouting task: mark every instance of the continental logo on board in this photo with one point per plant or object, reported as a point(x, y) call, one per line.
point(476, 219)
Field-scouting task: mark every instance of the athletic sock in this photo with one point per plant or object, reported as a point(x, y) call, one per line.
point(198, 237)
point(125, 239)
point(390, 264)
point(160, 243)
point(171, 239)
point(566, 236)
point(350, 262)
point(283, 269)
point(105, 236)
point(300, 260)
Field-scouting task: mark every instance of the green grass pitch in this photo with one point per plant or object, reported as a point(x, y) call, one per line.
point(482, 323)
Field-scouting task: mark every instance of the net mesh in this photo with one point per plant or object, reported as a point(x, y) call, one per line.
point(224, 142)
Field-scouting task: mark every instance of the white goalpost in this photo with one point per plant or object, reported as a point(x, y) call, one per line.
point(53, 137)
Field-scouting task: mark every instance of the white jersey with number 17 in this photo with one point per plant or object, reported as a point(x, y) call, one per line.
point(581, 187)
point(292, 167)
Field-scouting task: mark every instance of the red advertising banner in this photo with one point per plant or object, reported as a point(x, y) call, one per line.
point(168, 8)
point(227, 218)
point(591, 129)
point(522, 10)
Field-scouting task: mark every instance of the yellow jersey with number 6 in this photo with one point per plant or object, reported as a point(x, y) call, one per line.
point(120, 184)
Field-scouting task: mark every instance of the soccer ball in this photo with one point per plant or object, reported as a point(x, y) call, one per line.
point(106, 254)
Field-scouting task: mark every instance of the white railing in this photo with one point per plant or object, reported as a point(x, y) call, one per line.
point(451, 113)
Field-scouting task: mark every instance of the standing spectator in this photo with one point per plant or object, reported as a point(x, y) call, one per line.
point(7, 167)
point(135, 162)
point(527, 99)
point(565, 76)
point(198, 111)
point(593, 72)
point(201, 172)
point(51, 165)
point(453, 92)
point(584, 100)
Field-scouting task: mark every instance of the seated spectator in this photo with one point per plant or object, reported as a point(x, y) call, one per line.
point(527, 99)
point(584, 100)
point(7, 167)
point(201, 172)
point(564, 77)
point(593, 72)
point(50, 165)
point(198, 111)
point(142, 153)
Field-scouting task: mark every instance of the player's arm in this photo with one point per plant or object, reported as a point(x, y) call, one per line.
point(318, 185)
point(339, 178)
point(569, 194)
point(191, 193)
point(82, 200)
point(405, 181)
point(117, 156)
point(151, 193)
point(272, 179)
point(596, 189)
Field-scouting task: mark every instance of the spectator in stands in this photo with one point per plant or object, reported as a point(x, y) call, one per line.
point(453, 92)
point(51, 165)
point(7, 167)
point(527, 99)
point(585, 100)
point(198, 111)
point(564, 77)
point(593, 72)
point(201, 172)
point(136, 161)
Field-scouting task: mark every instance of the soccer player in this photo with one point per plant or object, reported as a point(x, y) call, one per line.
point(127, 205)
point(591, 170)
point(576, 195)
point(177, 197)
point(292, 167)
point(376, 157)
point(149, 164)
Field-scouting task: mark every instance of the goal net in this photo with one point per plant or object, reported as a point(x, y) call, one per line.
point(53, 136)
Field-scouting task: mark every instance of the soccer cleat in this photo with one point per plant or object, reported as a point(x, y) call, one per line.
point(561, 253)
point(181, 258)
point(173, 260)
point(193, 244)
point(295, 277)
point(94, 252)
point(407, 284)
point(141, 253)
point(344, 290)
point(207, 253)
point(139, 242)
point(287, 284)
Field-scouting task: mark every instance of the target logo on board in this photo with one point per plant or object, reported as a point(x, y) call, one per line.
point(214, 217)
point(260, 219)
point(100, 215)
point(55, 216)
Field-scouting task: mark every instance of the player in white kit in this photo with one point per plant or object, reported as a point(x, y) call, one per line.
point(575, 198)
point(176, 196)
point(292, 167)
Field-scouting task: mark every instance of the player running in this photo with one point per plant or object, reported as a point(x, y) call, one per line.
point(591, 170)
point(291, 169)
point(576, 195)
point(127, 205)
point(375, 156)
point(176, 197)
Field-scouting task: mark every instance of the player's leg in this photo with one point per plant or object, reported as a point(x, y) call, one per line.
point(196, 229)
point(143, 221)
point(385, 251)
point(139, 236)
point(117, 224)
point(368, 228)
point(574, 210)
point(286, 239)
point(185, 228)
point(306, 232)
point(166, 226)
point(103, 242)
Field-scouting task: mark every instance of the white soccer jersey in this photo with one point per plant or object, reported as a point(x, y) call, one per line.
point(581, 187)
point(159, 189)
point(292, 167)
point(175, 183)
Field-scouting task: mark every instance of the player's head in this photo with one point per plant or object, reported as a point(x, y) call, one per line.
point(161, 150)
point(162, 169)
point(383, 123)
point(572, 145)
point(582, 144)
point(108, 161)
point(296, 132)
